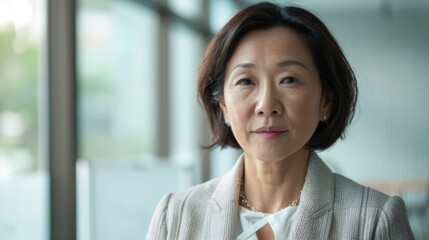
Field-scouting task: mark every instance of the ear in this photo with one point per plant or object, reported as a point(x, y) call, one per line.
point(224, 110)
point(326, 105)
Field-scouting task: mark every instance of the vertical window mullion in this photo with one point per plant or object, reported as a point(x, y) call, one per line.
point(62, 147)
point(163, 129)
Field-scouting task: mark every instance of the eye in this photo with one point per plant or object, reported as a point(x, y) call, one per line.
point(244, 82)
point(289, 80)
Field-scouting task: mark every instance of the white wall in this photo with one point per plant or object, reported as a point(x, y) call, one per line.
point(389, 138)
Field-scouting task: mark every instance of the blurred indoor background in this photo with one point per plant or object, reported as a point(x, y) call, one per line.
point(137, 127)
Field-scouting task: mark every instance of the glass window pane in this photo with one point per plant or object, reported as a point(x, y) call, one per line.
point(23, 172)
point(117, 73)
point(116, 69)
point(220, 12)
point(187, 8)
point(187, 115)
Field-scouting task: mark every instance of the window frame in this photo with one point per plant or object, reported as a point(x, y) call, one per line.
point(62, 135)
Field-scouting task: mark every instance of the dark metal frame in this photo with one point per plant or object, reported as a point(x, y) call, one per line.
point(62, 130)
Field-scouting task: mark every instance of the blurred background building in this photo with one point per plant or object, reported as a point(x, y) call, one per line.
point(139, 128)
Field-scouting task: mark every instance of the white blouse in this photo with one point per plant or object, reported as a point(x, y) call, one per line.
point(281, 223)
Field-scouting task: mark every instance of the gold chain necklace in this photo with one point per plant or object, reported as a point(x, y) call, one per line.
point(247, 204)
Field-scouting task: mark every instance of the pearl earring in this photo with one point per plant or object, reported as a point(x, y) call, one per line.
point(227, 123)
point(325, 119)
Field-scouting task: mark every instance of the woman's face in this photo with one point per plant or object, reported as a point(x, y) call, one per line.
point(272, 94)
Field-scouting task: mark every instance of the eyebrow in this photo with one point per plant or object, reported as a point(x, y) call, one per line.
point(291, 62)
point(280, 64)
point(243, 65)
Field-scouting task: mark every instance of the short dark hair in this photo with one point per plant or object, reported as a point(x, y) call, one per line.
point(335, 73)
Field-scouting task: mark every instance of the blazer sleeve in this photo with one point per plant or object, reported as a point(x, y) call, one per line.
point(158, 225)
point(393, 222)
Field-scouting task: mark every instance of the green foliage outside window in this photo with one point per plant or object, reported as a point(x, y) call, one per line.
point(18, 99)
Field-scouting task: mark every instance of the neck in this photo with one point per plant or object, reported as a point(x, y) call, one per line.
point(271, 186)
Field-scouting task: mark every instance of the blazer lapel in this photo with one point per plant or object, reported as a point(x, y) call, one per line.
point(313, 216)
point(314, 213)
point(222, 217)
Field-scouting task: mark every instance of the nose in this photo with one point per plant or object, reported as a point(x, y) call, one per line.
point(268, 102)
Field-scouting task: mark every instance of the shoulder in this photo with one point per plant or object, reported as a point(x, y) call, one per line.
point(195, 196)
point(376, 213)
point(352, 195)
point(200, 193)
point(393, 221)
point(183, 208)
point(349, 192)
point(186, 214)
point(190, 205)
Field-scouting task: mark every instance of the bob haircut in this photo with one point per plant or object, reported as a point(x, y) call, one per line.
point(335, 73)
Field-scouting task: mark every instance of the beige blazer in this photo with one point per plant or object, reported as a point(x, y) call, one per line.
point(331, 207)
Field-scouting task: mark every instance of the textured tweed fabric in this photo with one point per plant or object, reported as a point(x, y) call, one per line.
point(331, 207)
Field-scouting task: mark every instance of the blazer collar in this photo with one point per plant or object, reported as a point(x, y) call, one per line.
point(223, 211)
point(315, 207)
point(314, 213)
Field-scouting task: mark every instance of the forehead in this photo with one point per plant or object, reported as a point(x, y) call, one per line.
point(274, 44)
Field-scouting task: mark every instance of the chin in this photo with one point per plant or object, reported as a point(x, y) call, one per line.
point(271, 156)
point(275, 154)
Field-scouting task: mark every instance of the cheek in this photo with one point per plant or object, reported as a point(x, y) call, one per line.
point(238, 112)
point(304, 110)
point(238, 109)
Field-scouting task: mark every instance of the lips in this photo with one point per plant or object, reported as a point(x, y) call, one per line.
point(270, 132)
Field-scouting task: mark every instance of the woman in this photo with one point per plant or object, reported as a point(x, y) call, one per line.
point(275, 83)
